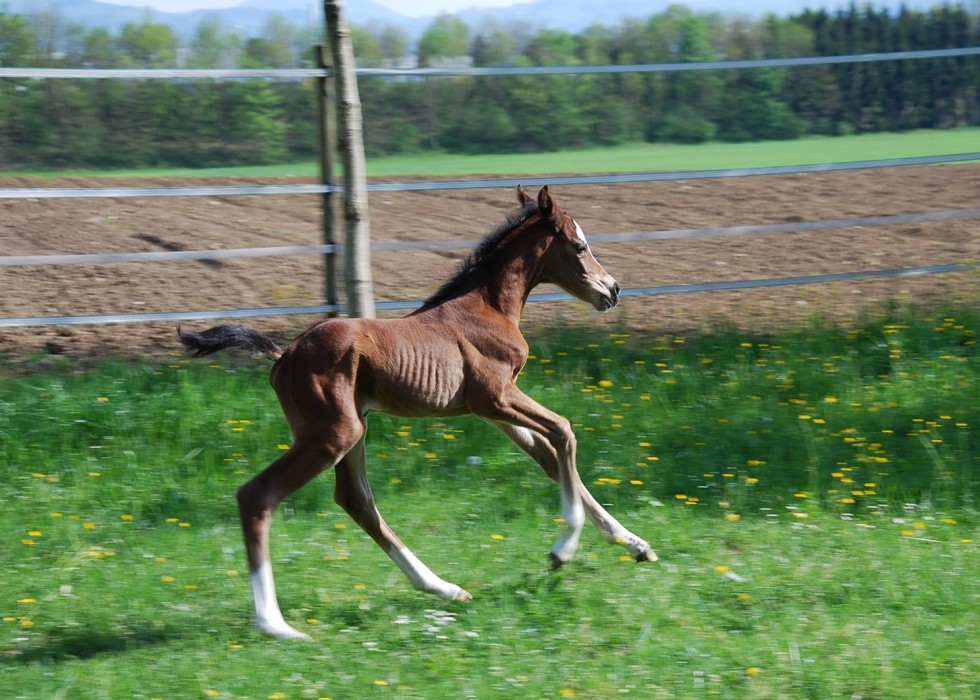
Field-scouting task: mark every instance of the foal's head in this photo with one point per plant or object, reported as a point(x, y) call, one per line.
point(569, 262)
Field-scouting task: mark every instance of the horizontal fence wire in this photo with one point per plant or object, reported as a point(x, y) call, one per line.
point(467, 244)
point(474, 184)
point(305, 73)
point(405, 305)
point(302, 74)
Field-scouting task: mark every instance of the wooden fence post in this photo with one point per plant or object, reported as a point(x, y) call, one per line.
point(357, 239)
point(328, 155)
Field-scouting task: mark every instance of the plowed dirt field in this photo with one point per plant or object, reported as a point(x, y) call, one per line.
point(38, 227)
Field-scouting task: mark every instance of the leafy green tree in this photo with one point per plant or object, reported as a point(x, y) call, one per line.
point(447, 37)
point(394, 42)
point(367, 48)
point(16, 40)
point(552, 47)
point(497, 45)
point(256, 123)
point(213, 46)
point(147, 44)
point(99, 50)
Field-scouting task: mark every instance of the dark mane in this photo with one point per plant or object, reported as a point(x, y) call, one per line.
point(481, 254)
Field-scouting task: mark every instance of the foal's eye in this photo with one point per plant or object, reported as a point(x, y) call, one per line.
point(580, 248)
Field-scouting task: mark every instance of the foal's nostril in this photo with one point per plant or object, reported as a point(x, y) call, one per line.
point(616, 287)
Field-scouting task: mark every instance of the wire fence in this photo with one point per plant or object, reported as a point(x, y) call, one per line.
point(429, 185)
point(304, 73)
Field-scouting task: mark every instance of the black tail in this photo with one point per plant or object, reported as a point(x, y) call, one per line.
point(228, 336)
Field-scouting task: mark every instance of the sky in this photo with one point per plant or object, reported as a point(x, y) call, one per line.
point(411, 8)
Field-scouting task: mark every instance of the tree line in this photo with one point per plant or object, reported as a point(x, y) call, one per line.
point(199, 123)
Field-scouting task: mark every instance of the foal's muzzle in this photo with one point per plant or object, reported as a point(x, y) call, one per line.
point(611, 297)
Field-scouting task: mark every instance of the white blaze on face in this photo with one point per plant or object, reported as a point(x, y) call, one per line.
point(579, 232)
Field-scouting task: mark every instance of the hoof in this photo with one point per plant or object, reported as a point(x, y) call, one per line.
point(556, 561)
point(463, 596)
point(648, 555)
point(284, 633)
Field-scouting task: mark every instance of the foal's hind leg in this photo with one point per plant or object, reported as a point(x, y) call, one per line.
point(610, 528)
point(353, 494)
point(258, 499)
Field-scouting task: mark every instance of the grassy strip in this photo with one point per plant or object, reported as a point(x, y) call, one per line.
point(812, 497)
point(626, 158)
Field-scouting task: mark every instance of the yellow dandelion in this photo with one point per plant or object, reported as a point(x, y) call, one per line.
point(732, 517)
point(382, 684)
point(126, 518)
point(753, 671)
point(167, 579)
point(744, 597)
point(88, 526)
point(751, 481)
point(566, 692)
point(722, 569)
point(605, 384)
point(496, 537)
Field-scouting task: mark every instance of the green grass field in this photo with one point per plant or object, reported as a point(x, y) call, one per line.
point(627, 158)
point(812, 496)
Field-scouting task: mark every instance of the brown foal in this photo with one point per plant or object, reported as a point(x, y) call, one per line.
point(460, 353)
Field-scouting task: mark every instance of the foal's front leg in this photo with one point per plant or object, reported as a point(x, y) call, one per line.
point(518, 414)
point(544, 454)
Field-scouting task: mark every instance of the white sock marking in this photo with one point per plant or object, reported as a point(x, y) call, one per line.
point(268, 617)
point(422, 577)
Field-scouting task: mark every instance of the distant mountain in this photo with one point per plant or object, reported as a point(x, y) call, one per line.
point(249, 17)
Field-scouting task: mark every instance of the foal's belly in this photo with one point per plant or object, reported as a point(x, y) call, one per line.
point(418, 381)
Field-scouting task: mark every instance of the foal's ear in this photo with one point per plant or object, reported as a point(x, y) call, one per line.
point(523, 197)
point(546, 205)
